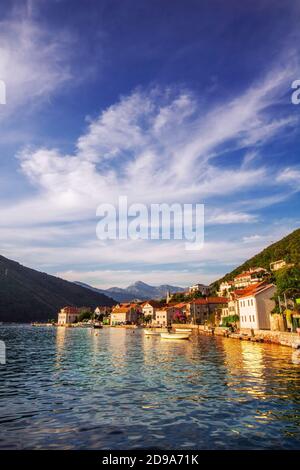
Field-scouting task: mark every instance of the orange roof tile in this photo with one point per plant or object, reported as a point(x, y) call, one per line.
point(252, 290)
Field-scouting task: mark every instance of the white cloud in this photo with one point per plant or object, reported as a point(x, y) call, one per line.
point(290, 176)
point(153, 146)
point(33, 62)
point(252, 238)
point(223, 217)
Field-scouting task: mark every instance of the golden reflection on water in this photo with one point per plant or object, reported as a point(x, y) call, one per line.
point(252, 366)
point(246, 366)
point(60, 344)
point(117, 346)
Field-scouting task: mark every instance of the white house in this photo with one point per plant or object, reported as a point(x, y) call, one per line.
point(225, 288)
point(102, 310)
point(251, 277)
point(204, 290)
point(68, 315)
point(124, 313)
point(149, 308)
point(164, 316)
point(255, 306)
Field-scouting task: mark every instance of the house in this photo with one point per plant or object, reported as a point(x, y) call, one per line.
point(105, 311)
point(255, 305)
point(149, 308)
point(68, 315)
point(253, 276)
point(125, 313)
point(198, 311)
point(224, 313)
point(204, 290)
point(225, 288)
point(230, 309)
point(276, 265)
point(164, 316)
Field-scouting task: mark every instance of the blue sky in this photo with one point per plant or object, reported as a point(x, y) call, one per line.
point(161, 101)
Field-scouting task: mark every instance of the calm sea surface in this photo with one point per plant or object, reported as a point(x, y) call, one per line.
point(74, 389)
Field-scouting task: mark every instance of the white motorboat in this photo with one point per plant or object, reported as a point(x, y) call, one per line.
point(185, 335)
point(151, 332)
point(183, 330)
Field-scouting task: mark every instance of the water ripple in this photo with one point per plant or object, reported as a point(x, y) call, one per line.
point(70, 389)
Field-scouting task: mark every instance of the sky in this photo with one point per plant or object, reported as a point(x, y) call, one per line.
point(164, 102)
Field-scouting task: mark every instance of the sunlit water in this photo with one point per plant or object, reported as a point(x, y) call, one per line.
point(77, 389)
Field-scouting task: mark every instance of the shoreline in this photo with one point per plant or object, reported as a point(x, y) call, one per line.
point(281, 338)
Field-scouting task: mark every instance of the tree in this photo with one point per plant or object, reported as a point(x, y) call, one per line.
point(288, 282)
point(85, 315)
point(147, 318)
point(231, 320)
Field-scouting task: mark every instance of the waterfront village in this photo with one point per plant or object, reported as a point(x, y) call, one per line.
point(244, 308)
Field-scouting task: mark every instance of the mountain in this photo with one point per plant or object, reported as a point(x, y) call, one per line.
point(139, 290)
point(288, 249)
point(29, 295)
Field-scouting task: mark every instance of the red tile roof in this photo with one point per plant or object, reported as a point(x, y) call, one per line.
point(249, 273)
point(121, 310)
point(252, 290)
point(70, 309)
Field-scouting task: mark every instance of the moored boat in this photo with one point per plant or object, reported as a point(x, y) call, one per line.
point(97, 325)
point(151, 332)
point(183, 330)
point(175, 335)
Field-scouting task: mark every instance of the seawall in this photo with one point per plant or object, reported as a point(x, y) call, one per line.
point(283, 338)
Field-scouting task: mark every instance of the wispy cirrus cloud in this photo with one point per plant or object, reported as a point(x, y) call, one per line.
point(155, 145)
point(31, 63)
point(290, 176)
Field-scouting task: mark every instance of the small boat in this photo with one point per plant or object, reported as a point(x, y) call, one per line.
point(175, 335)
point(151, 332)
point(97, 325)
point(183, 330)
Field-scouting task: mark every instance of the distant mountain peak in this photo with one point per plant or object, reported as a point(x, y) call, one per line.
point(139, 284)
point(138, 290)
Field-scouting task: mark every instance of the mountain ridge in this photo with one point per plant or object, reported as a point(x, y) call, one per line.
point(29, 295)
point(138, 290)
point(287, 248)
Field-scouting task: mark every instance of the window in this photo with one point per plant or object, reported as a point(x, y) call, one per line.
point(250, 318)
point(252, 302)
